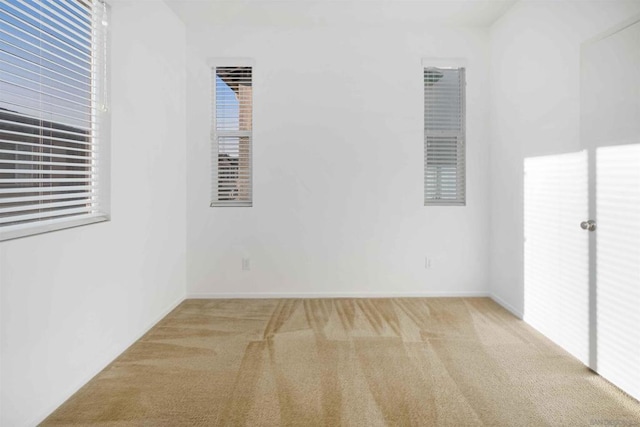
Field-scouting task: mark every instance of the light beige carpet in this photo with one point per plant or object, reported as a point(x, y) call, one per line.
point(353, 362)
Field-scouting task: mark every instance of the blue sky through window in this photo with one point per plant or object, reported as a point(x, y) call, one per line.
point(227, 107)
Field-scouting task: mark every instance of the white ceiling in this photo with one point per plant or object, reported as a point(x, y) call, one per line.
point(339, 12)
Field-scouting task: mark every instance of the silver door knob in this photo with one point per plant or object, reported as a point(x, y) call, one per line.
point(588, 225)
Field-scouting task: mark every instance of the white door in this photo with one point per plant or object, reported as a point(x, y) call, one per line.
point(610, 134)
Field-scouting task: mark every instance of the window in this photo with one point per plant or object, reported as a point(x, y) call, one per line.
point(52, 115)
point(444, 136)
point(232, 135)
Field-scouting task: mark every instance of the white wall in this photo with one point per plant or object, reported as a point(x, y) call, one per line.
point(338, 139)
point(72, 300)
point(535, 111)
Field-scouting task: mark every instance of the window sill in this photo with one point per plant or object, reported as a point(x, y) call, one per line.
point(231, 204)
point(24, 230)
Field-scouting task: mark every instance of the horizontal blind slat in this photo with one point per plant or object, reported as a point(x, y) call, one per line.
point(47, 155)
point(41, 206)
point(39, 189)
point(47, 172)
point(46, 128)
point(40, 163)
point(45, 147)
point(43, 197)
point(78, 180)
point(47, 214)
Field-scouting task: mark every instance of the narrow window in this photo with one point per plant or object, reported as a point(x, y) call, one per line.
point(444, 136)
point(52, 115)
point(232, 136)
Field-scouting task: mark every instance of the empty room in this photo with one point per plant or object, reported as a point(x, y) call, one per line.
point(312, 212)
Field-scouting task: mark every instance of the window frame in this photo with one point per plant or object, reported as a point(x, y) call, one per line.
point(100, 145)
point(215, 134)
point(461, 135)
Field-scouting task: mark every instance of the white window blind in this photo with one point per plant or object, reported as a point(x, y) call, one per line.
point(52, 106)
point(232, 136)
point(444, 136)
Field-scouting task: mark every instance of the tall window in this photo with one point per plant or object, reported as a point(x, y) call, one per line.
point(444, 136)
point(52, 115)
point(232, 136)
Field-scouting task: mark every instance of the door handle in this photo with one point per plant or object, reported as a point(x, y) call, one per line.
point(589, 225)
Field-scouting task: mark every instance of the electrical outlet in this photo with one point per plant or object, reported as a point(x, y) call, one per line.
point(246, 264)
point(427, 263)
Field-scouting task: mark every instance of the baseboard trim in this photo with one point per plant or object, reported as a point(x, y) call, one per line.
point(275, 295)
point(507, 306)
point(107, 360)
